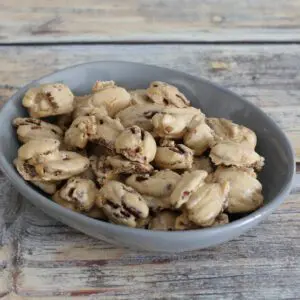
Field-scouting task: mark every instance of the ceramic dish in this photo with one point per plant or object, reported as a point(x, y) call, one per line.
point(215, 101)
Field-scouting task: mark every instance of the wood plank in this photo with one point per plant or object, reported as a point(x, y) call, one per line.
point(136, 20)
point(265, 75)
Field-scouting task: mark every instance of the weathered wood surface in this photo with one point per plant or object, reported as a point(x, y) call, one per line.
point(156, 20)
point(268, 76)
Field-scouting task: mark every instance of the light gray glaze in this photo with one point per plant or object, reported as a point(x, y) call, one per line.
point(215, 101)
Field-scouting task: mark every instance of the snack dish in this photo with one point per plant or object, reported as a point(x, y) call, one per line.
point(276, 176)
point(175, 169)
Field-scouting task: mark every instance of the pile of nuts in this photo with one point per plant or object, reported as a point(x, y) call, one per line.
point(141, 158)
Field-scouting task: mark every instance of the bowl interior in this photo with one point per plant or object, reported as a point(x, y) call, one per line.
point(213, 100)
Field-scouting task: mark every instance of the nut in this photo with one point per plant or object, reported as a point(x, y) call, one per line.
point(38, 151)
point(67, 165)
point(188, 183)
point(122, 204)
point(26, 170)
point(245, 193)
point(221, 219)
point(173, 122)
point(83, 106)
point(80, 131)
point(59, 200)
point(96, 213)
point(143, 223)
point(136, 145)
point(101, 85)
point(225, 130)
point(112, 97)
point(182, 222)
point(108, 130)
point(122, 165)
point(102, 170)
point(207, 202)
point(34, 129)
point(202, 163)
point(81, 192)
point(164, 221)
point(166, 94)
point(199, 137)
point(174, 157)
point(139, 97)
point(48, 100)
point(231, 153)
point(158, 184)
point(140, 115)
point(157, 204)
point(48, 187)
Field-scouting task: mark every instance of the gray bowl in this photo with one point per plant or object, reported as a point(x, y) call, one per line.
point(215, 101)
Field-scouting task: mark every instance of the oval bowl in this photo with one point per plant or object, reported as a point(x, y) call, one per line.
point(214, 101)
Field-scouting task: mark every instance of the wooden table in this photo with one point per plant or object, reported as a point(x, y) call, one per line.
point(250, 47)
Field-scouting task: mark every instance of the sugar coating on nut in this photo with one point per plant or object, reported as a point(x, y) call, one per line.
point(158, 184)
point(123, 165)
point(112, 97)
point(202, 163)
point(157, 204)
point(207, 202)
point(188, 183)
point(68, 164)
point(136, 144)
point(69, 205)
point(101, 85)
point(245, 193)
point(83, 106)
point(230, 153)
point(143, 223)
point(96, 213)
point(164, 221)
point(122, 204)
point(48, 100)
point(108, 130)
point(38, 151)
point(226, 130)
point(182, 222)
point(46, 186)
point(221, 219)
point(80, 131)
point(79, 191)
point(35, 129)
point(199, 137)
point(166, 94)
point(140, 115)
point(103, 170)
point(173, 122)
point(26, 170)
point(174, 157)
point(139, 97)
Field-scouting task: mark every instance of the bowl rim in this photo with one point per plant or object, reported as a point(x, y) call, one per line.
point(25, 189)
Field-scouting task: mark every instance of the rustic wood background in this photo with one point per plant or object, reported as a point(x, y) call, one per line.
point(250, 47)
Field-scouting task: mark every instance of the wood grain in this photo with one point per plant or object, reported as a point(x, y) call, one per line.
point(139, 20)
point(265, 75)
